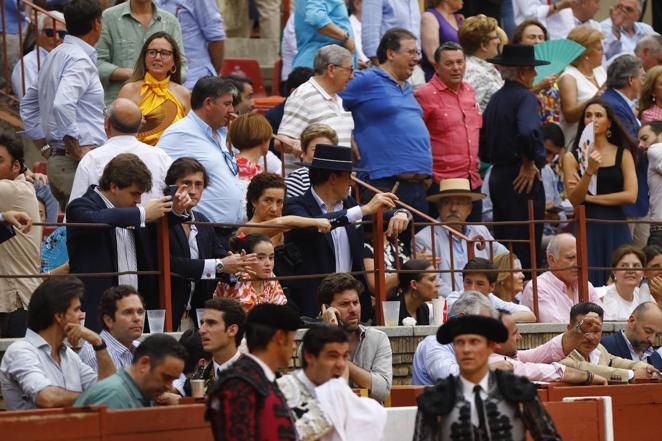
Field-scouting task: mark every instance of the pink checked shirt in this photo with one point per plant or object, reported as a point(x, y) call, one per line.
point(538, 364)
point(454, 122)
point(553, 302)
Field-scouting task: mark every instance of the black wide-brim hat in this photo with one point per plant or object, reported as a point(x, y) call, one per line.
point(332, 157)
point(490, 328)
point(517, 55)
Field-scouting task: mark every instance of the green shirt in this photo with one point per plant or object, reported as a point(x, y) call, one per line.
point(118, 391)
point(122, 38)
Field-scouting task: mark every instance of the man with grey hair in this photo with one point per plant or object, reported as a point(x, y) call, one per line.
point(51, 33)
point(317, 101)
point(625, 77)
point(512, 141)
point(558, 287)
point(202, 134)
point(121, 123)
point(649, 50)
point(624, 27)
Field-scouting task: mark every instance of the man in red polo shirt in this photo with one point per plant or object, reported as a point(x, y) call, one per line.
point(453, 119)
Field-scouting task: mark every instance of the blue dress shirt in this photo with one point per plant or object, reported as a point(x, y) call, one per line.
point(201, 22)
point(309, 17)
point(191, 136)
point(11, 17)
point(68, 97)
point(433, 361)
point(378, 16)
point(388, 125)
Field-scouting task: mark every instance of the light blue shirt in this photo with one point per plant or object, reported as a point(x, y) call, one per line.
point(201, 22)
point(30, 71)
point(191, 136)
point(378, 16)
point(68, 97)
point(341, 249)
point(433, 361)
point(27, 368)
point(309, 17)
point(627, 42)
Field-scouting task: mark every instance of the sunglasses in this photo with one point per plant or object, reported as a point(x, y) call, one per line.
point(50, 33)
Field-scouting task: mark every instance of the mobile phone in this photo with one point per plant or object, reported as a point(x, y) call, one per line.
point(171, 190)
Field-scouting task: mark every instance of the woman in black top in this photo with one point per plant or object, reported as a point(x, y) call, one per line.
point(415, 289)
point(612, 161)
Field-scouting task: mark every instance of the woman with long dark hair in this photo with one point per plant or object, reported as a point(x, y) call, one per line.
point(612, 162)
point(415, 289)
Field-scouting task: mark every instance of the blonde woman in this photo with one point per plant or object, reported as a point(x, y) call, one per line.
point(509, 284)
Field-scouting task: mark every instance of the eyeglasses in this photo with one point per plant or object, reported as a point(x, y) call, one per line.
point(230, 162)
point(348, 69)
point(50, 33)
point(628, 9)
point(165, 54)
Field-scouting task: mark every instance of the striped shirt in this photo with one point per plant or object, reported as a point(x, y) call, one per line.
point(120, 354)
point(297, 182)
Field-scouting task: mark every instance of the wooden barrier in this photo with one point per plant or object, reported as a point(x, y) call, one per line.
point(51, 425)
point(636, 407)
point(402, 396)
point(578, 420)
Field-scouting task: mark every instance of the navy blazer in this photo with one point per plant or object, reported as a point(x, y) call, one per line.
point(209, 247)
point(317, 253)
point(627, 117)
point(6, 232)
point(616, 345)
point(94, 250)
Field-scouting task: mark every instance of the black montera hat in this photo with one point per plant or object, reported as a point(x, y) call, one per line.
point(490, 328)
point(517, 55)
point(276, 316)
point(331, 157)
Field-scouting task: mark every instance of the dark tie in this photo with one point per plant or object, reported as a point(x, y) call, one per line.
point(482, 425)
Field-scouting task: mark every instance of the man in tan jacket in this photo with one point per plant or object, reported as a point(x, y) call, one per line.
point(590, 355)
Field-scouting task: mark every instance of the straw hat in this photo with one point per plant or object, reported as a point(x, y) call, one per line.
point(456, 187)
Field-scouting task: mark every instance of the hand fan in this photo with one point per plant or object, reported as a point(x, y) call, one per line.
point(559, 53)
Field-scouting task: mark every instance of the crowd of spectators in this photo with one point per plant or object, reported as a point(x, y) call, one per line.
point(439, 111)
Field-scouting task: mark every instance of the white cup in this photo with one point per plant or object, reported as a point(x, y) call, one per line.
point(198, 315)
point(156, 319)
point(438, 310)
point(391, 312)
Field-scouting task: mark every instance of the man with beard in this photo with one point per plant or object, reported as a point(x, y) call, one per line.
point(370, 358)
point(636, 341)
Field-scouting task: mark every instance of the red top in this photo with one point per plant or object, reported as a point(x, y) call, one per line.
point(454, 122)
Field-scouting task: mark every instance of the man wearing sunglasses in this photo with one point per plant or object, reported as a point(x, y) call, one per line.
point(48, 37)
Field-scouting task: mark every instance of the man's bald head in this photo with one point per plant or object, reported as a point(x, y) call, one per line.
point(124, 117)
point(644, 326)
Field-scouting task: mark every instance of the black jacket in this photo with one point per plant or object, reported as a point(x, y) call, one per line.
point(616, 345)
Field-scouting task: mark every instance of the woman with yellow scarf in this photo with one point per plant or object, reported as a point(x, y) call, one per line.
point(155, 87)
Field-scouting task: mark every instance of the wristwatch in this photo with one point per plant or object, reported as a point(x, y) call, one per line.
point(100, 347)
point(219, 266)
point(344, 40)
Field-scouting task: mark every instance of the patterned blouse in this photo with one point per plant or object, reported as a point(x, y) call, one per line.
point(653, 113)
point(247, 169)
point(245, 293)
point(484, 78)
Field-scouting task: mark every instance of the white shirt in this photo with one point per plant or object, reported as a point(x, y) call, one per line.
point(615, 306)
point(468, 392)
point(30, 71)
point(209, 269)
point(655, 181)
point(288, 47)
point(223, 366)
point(90, 168)
point(266, 369)
point(558, 24)
point(126, 247)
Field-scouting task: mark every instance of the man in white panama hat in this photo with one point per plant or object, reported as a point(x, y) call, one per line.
point(454, 202)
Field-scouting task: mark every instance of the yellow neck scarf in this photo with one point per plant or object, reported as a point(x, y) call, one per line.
point(155, 93)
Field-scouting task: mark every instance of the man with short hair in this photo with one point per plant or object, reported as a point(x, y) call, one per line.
point(592, 356)
point(453, 118)
point(512, 142)
point(196, 251)
point(116, 201)
point(126, 26)
point(485, 283)
point(157, 362)
point(63, 111)
point(477, 401)
point(625, 78)
point(221, 330)
point(249, 387)
point(584, 11)
point(243, 101)
point(623, 23)
point(203, 36)
point(650, 140)
point(121, 122)
point(20, 253)
point(370, 361)
point(454, 203)
point(122, 317)
point(393, 141)
point(558, 288)
point(649, 50)
point(636, 341)
point(341, 249)
point(320, 386)
point(49, 38)
point(318, 100)
point(202, 134)
point(40, 370)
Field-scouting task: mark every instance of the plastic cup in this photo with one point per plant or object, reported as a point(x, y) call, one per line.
point(391, 312)
point(156, 319)
point(198, 315)
point(438, 310)
point(198, 388)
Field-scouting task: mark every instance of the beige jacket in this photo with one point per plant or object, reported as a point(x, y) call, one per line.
point(614, 369)
point(20, 254)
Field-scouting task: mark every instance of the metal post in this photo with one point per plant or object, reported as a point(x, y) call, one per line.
point(165, 291)
point(534, 257)
point(380, 275)
point(582, 255)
